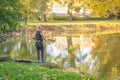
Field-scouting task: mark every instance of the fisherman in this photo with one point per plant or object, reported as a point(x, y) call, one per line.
point(39, 44)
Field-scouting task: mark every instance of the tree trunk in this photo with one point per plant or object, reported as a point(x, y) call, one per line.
point(25, 25)
point(43, 18)
point(116, 17)
point(26, 20)
point(4, 30)
point(70, 10)
point(69, 16)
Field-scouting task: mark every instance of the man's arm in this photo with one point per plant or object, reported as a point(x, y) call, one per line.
point(42, 35)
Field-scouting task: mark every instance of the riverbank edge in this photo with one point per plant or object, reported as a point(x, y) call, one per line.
point(14, 70)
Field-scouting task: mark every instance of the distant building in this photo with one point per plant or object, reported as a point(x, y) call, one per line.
point(60, 10)
point(81, 11)
point(57, 8)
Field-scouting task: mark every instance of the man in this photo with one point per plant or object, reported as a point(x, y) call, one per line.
point(39, 44)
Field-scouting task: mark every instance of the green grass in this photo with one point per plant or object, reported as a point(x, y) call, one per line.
point(63, 22)
point(34, 71)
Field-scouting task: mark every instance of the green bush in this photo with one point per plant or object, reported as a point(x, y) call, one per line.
point(63, 17)
point(60, 17)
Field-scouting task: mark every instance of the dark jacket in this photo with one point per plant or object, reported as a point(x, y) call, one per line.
point(38, 36)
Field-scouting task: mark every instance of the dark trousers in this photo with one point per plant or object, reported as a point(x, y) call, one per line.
point(40, 50)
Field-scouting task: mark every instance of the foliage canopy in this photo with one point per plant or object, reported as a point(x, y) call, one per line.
point(10, 14)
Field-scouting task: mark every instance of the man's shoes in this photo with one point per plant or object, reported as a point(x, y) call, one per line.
point(39, 61)
point(43, 61)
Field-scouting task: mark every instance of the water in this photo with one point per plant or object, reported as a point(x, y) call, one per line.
point(97, 54)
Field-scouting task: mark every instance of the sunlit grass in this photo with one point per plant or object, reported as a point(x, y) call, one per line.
point(33, 71)
point(63, 22)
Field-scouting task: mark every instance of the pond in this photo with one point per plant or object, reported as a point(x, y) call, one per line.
point(89, 50)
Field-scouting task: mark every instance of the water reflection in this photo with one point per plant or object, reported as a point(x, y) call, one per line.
point(83, 55)
point(97, 54)
point(73, 52)
point(57, 50)
point(108, 52)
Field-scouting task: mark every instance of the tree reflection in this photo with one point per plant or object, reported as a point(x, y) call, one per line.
point(57, 51)
point(6, 47)
point(108, 54)
point(24, 49)
point(71, 53)
point(84, 58)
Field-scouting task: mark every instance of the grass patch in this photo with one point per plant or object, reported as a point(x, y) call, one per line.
point(63, 22)
point(34, 71)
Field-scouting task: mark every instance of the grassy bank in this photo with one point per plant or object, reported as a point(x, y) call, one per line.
point(34, 71)
point(63, 22)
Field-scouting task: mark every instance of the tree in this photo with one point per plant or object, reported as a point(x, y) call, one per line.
point(114, 8)
point(41, 7)
point(26, 10)
point(34, 7)
point(69, 4)
point(105, 8)
point(10, 15)
point(72, 5)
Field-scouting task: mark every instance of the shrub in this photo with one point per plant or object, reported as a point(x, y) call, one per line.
point(60, 17)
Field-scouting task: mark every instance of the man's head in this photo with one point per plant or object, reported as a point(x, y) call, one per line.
point(39, 28)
